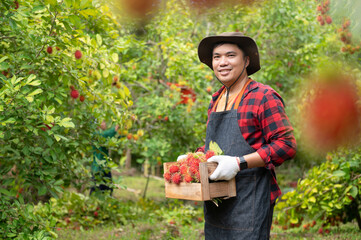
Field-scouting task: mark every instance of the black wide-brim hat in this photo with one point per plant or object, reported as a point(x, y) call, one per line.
point(247, 44)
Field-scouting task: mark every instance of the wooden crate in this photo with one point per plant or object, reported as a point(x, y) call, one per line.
point(202, 191)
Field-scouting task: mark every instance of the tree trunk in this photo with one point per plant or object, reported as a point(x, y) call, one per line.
point(128, 160)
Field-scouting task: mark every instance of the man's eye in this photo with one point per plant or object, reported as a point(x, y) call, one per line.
point(231, 55)
point(215, 57)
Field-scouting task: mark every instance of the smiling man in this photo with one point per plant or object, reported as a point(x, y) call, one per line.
point(248, 121)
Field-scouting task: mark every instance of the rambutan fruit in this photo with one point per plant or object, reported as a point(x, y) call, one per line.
point(167, 176)
point(173, 169)
point(176, 178)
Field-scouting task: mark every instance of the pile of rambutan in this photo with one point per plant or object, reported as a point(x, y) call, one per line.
point(187, 169)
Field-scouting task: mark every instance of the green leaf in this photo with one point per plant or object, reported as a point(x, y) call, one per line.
point(42, 190)
point(115, 57)
point(35, 83)
point(30, 78)
point(99, 40)
point(30, 99)
point(4, 66)
point(58, 137)
point(294, 220)
point(6, 192)
point(215, 148)
point(37, 91)
point(38, 8)
point(3, 59)
point(312, 199)
point(354, 191)
point(105, 73)
point(66, 122)
point(51, 2)
point(88, 12)
point(339, 173)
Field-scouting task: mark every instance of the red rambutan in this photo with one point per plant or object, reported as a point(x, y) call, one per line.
point(173, 169)
point(209, 154)
point(176, 178)
point(167, 176)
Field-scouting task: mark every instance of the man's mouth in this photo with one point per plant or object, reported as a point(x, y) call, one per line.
point(224, 72)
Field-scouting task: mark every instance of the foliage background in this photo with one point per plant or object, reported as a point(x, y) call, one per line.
point(134, 73)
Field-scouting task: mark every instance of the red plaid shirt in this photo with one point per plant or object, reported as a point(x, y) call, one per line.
point(265, 126)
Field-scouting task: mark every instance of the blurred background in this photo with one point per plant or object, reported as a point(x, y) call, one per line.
point(66, 66)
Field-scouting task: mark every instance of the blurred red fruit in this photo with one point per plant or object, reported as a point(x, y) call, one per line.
point(328, 20)
point(320, 231)
point(130, 136)
point(319, 18)
point(95, 214)
point(78, 54)
point(81, 98)
point(16, 4)
point(333, 115)
point(74, 94)
point(49, 50)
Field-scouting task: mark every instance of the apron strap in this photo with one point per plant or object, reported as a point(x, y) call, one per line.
point(216, 103)
point(240, 95)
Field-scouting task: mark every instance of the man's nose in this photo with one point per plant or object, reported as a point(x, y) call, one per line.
point(223, 62)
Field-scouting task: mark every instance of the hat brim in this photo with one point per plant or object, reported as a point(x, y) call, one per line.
point(248, 45)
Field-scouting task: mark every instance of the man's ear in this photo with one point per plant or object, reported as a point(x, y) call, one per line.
point(247, 61)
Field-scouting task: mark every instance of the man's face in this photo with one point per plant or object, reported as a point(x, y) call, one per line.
point(228, 62)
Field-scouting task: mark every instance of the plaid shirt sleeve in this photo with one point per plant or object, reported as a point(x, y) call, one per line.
point(279, 143)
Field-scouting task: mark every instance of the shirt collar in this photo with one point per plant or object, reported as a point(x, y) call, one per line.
point(252, 85)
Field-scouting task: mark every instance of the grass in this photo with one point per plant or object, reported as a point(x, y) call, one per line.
point(135, 187)
point(149, 226)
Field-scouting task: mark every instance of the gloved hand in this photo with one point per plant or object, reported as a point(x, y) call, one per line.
point(180, 157)
point(227, 167)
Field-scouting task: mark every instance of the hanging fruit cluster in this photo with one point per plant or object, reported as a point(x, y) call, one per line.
point(323, 8)
point(346, 37)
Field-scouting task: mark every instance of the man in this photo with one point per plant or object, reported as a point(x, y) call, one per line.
point(247, 120)
point(101, 173)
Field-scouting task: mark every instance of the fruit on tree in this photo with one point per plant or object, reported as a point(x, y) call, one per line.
point(78, 54)
point(328, 20)
point(49, 50)
point(129, 136)
point(81, 98)
point(135, 137)
point(74, 94)
point(95, 214)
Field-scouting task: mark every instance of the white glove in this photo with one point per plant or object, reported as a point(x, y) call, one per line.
point(227, 167)
point(180, 157)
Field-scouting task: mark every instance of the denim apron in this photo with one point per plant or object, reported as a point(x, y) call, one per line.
point(248, 215)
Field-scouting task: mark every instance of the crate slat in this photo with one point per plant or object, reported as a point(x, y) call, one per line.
point(202, 191)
